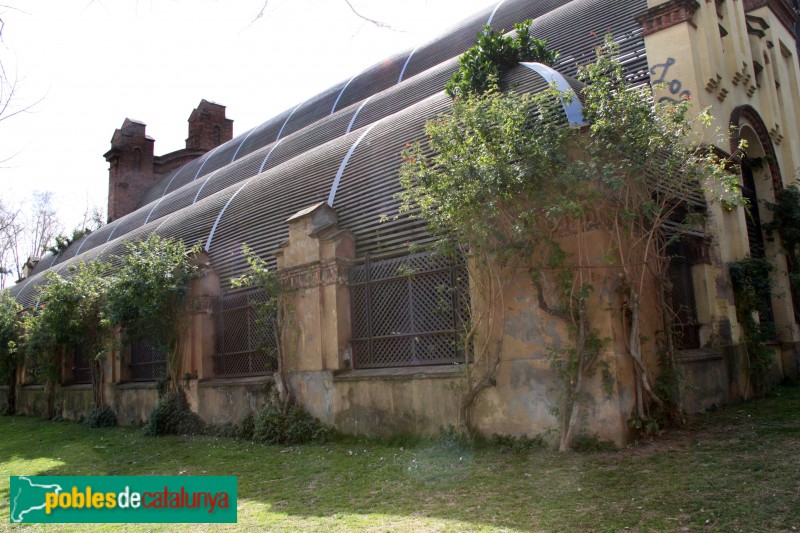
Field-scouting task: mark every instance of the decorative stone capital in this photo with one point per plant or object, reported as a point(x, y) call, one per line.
point(200, 305)
point(319, 274)
point(667, 15)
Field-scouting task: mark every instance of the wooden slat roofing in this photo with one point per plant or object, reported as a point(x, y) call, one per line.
point(244, 190)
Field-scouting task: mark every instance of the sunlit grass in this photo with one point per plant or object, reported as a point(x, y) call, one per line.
point(734, 470)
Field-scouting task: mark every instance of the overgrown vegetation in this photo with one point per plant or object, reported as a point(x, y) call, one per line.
point(62, 242)
point(172, 416)
point(518, 191)
point(294, 426)
point(274, 313)
point(81, 310)
point(148, 296)
point(753, 298)
point(104, 417)
point(10, 353)
point(786, 224)
point(480, 67)
point(71, 313)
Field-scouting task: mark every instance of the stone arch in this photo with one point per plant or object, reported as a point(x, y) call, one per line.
point(747, 124)
point(746, 115)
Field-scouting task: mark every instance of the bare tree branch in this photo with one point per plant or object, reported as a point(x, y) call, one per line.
point(377, 23)
point(261, 13)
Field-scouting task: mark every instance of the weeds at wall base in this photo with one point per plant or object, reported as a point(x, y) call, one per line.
point(104, 417)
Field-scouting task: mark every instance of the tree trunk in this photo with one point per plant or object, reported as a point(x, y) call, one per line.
point(97, 384)
point(280, 328)
point(50, 399)
point(11, 400)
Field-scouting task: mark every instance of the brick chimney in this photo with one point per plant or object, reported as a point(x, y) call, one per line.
point(130, 170)
point(208, 127)
point(133, 168)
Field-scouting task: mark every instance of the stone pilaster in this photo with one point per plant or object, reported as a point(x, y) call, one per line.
point(314, 265)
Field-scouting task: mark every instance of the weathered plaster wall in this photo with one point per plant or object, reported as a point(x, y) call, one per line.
point(133, 402)
point(74, 401)
point(31, 400)
point(227, 401)
point(379, 406)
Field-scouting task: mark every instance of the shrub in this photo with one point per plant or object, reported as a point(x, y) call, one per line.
point(105, 417)
point(172, 416)
point(272, 426)
point(511, 443)
point(247, 427)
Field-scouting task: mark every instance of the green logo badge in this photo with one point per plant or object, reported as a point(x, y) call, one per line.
point(117, 499)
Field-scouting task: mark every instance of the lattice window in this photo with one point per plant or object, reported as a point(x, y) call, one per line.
point(244, 342)
point(684, 306)
point(408, 311)
point(81, 366)
point(147, 363)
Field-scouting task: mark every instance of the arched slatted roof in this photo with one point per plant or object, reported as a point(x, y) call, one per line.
point(292, 160)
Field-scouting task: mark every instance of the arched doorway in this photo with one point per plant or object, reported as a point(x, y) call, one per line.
point(761, 182)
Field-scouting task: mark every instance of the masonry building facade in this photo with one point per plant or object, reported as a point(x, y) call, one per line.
point(311, 188)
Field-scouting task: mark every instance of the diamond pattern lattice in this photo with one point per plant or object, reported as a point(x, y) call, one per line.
point(147, 363)
point(408, 311)
point(245, 343)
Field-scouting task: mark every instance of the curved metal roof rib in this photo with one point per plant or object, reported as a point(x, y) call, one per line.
point(343, 145)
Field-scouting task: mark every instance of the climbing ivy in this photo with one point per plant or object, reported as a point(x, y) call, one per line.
point(752, 293)
point(510, 183)
point(276, 313)
point(786, 224)
point(10, 353)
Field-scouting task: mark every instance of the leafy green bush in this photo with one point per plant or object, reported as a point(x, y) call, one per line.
point(246, 427)
point(272, 426)
point(172, 416)
point(479, 68)
point(105, 417)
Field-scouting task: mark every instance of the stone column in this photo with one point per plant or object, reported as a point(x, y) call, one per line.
point(314, 265)
point(198, 343)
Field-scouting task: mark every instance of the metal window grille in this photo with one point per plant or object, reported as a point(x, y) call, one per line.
point(244, 341)
point(684, 307)
point(147, 363)
point(81, 366)
point(408, 311)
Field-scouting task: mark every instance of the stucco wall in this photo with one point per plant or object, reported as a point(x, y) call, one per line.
point(74, 401)
point(228, 401)
point(133, 402)
point(421, 402)
point(31, 400)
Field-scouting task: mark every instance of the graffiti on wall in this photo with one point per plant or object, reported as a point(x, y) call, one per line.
point(673, 86)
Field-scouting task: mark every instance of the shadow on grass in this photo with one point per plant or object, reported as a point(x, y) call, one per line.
point(726, 471)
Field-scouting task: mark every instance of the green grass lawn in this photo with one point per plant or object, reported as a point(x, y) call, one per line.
point(737, 469)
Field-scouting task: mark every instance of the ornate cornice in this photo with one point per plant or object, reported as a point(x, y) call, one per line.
point(322, 273)
point(781, 8)
point(667, 15)
point(199, 305)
